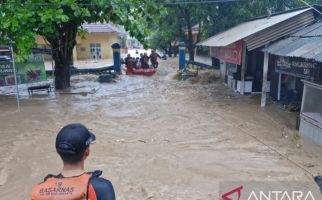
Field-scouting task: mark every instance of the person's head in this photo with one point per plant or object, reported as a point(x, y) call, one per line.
point(129, 55)
point(145, 54)
point(72, 143)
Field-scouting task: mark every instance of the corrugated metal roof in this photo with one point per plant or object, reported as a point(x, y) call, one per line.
point(279, 30)
point(257, 28)
point(101, 28)
point(306, 43)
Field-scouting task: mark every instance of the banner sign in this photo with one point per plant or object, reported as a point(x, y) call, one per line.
point(231, 53)
point(296, 67)
point(29, 72)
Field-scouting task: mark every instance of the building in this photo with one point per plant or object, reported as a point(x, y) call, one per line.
point(311, 112)
point(239, 48)
point(295, 58)
point(132, 43)
point(95, 44)
point(296, 76)
point(98, 41)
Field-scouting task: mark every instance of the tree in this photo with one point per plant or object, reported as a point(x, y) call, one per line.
point(180, 19)
point(166, 31)
point(213, 17)
point(172, 27)
point(59, 21)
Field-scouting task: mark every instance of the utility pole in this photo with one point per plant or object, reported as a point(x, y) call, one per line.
point(14, 73)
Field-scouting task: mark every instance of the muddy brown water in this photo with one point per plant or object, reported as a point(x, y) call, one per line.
point(157, 138)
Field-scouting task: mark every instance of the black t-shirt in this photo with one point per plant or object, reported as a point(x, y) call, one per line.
point(103, 189)
point(154, 57)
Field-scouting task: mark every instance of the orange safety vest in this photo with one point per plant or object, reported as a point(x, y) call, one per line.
point(66, 188)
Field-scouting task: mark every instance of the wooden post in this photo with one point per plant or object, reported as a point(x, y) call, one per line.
point(303, 97)
point(14, 73)
point(243, 70)
point(265, 71)
point(279, 86)
point(223, 69)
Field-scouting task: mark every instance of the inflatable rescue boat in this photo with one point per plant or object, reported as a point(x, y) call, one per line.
point(144, 72)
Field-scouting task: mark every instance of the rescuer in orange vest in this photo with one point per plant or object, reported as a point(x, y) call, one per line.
point(74, 183)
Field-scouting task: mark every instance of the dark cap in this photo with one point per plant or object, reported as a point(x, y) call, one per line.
point(73, 139)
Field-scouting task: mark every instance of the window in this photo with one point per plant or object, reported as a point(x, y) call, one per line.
point(95, 49)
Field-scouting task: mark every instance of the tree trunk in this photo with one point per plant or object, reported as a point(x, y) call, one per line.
point(198, 38)
point(190, 44)
point(63, 47)
point(170, 50)
point(62, 72)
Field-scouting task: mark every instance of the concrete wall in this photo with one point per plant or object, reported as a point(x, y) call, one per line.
point(105, 39)
point(82, 50)
point(310, 131)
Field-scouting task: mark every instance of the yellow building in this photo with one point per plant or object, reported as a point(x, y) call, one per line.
point(96, 43)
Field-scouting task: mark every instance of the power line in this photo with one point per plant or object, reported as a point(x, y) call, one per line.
point(199, 2)
point(162, 3)
point(306, 3)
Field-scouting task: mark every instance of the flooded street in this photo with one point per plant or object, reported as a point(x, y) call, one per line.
point(157, 138)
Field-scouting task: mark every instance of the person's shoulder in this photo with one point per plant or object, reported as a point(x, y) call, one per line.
point(103, 188)
point(101, 182)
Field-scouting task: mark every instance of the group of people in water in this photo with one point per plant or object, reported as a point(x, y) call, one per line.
point(142, 62)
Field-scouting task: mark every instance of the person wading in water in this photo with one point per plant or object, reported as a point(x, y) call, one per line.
point(73, 146)
point(154, 58)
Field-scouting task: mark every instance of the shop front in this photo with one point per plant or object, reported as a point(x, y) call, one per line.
point(231, 60)
point(287, 76)
point(242, 63)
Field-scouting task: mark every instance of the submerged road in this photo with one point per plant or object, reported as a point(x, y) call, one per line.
point(157, 138)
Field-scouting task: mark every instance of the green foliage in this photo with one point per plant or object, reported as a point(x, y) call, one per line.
point(166, 30)
point(215, 17)
point(22, 20)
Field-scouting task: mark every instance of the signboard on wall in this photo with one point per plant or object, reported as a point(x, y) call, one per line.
point(297, 67)
point(29, 72)
point(231, 53)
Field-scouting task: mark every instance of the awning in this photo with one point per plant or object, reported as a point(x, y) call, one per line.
point(306, 43)
point(4, 49)
point(259, 32)
point(42, 51)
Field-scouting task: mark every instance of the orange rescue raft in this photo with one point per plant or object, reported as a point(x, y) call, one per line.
point(145, 72)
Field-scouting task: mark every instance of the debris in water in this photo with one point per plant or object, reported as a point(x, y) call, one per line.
point(107, 78)
point(184, 75)
point(309, 165)
point(121, 140)
point(205, 78)
point(3, 177)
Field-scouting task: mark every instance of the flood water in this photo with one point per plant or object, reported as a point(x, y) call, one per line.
point(157, 137)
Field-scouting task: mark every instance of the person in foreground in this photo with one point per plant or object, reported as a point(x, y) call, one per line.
point(74, 183)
